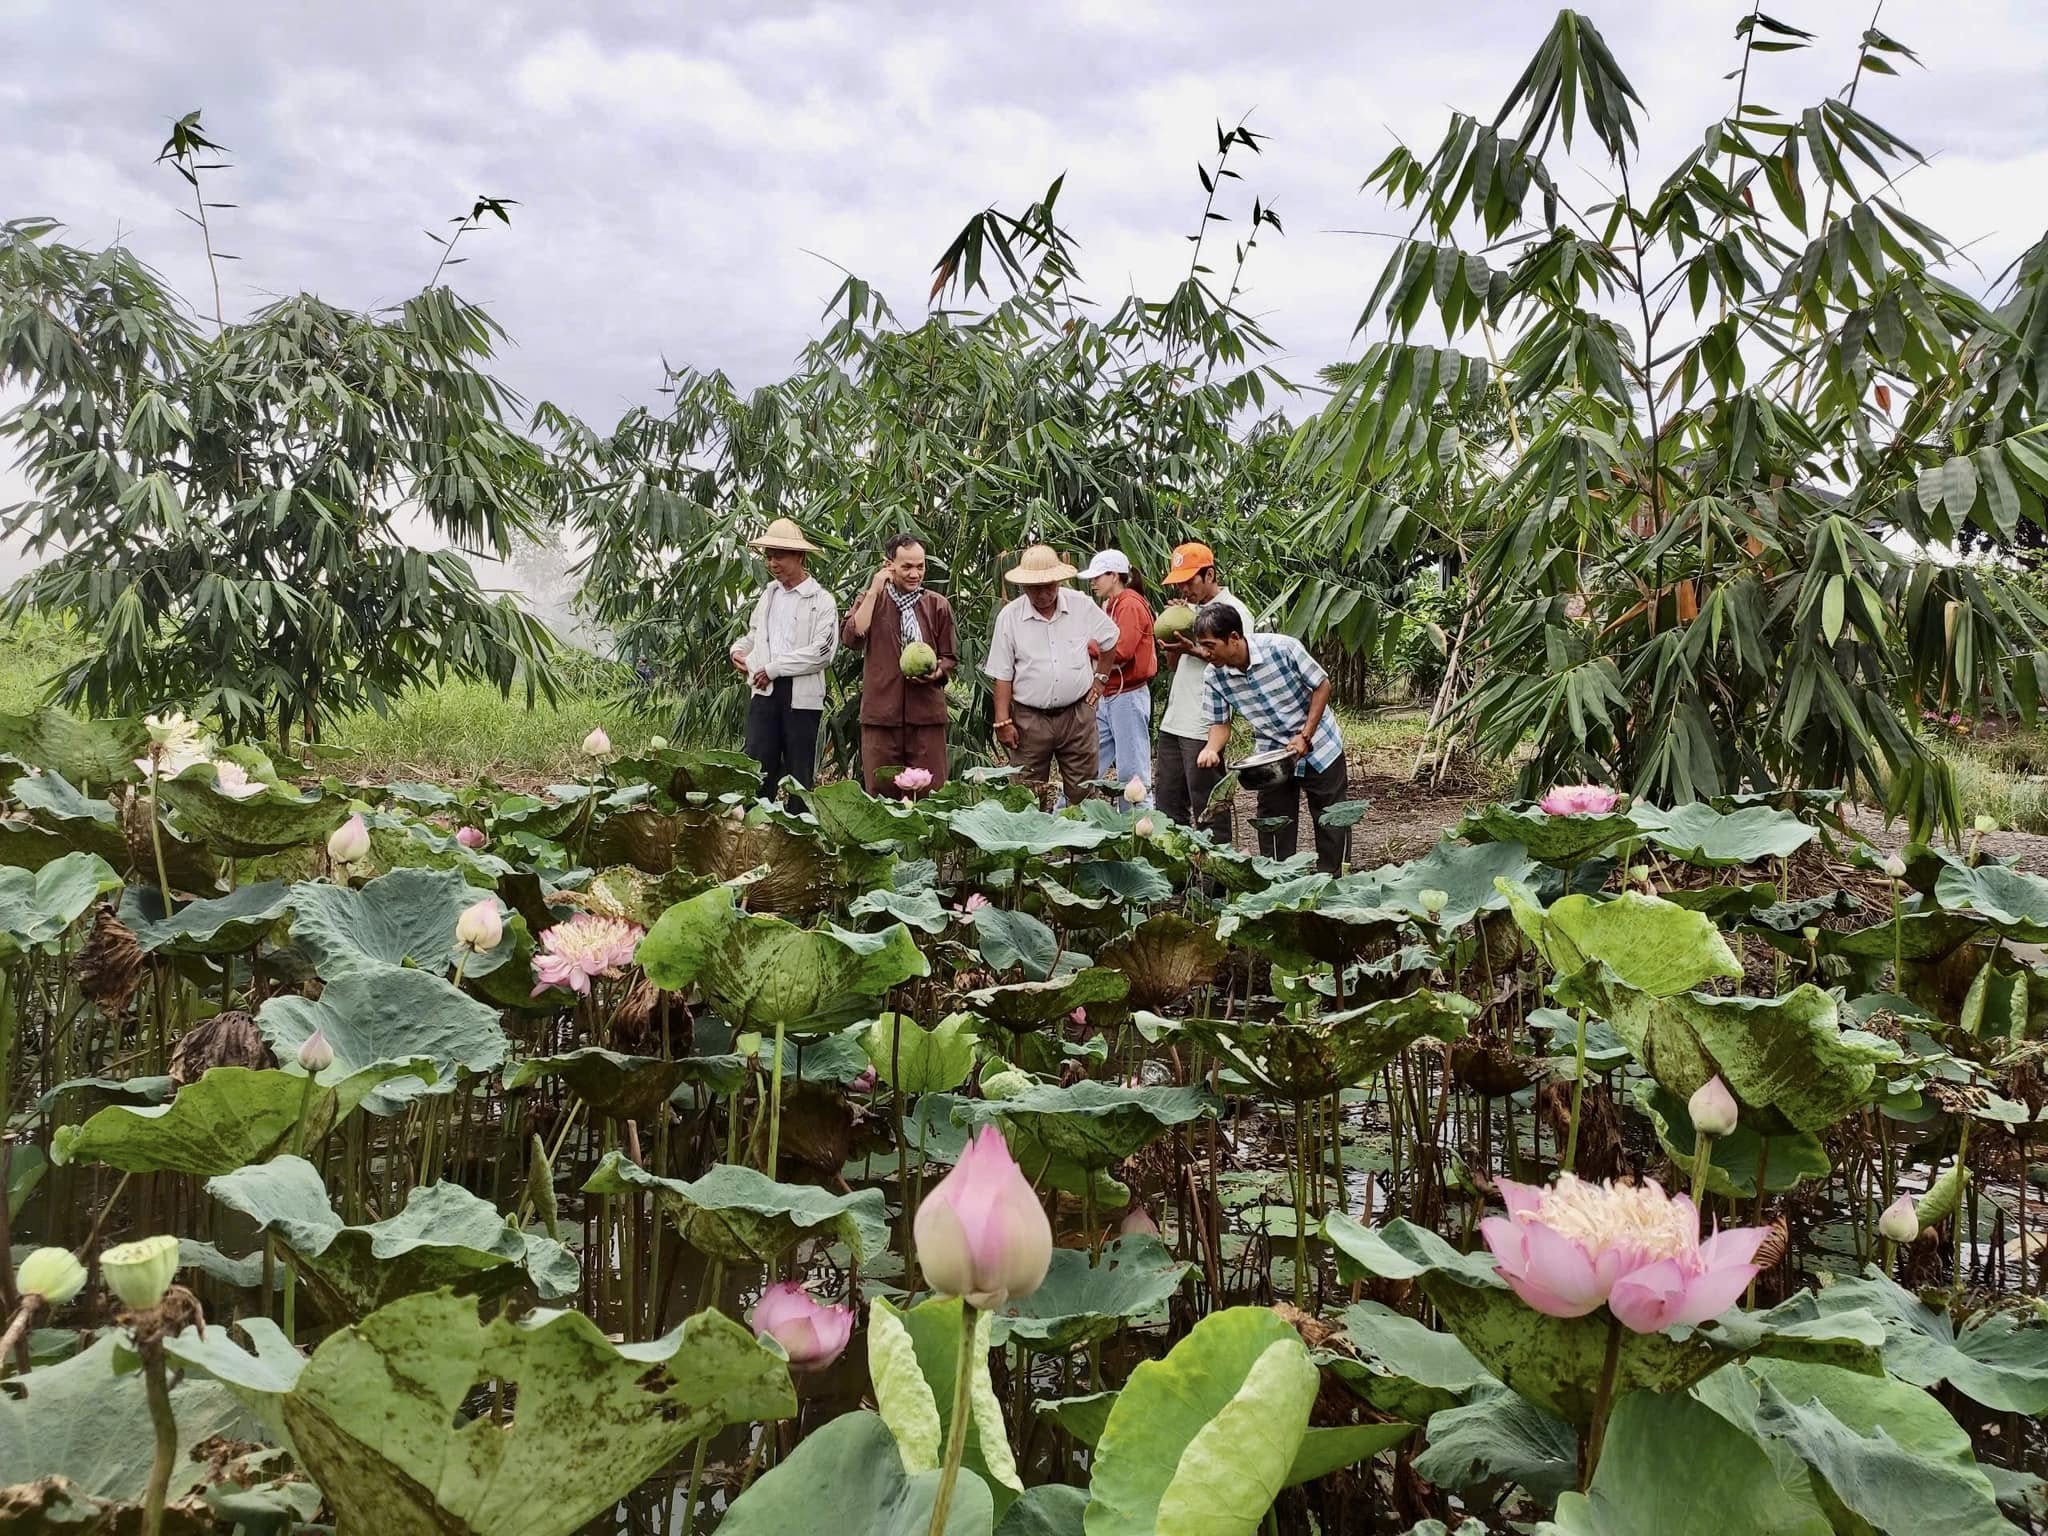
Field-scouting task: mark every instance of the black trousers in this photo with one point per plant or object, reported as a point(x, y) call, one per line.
point(1325, 789)
point(1182, 787)
point(784, 741)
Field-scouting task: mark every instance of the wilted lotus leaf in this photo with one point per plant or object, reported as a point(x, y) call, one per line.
point(83, 751)
point(1306, 1059)
point(1311, 920)
point(1093, 1123)
point(992, 829)
point(444, 1236)
point(231, 1116)
point(1026, 1005)
point(270, 822)
point(62, 820)
point(37, 906)
point(1133, 1278)
point(795, 871)
point(220, 925)
point(405, 918)
point(1164, 958)
point(761, 972)
point(390, 1014)
point(743, 1216)
point(376, 1415)
point(1552, 839)
point(1556, 1362)
point(681, 772)
point(1701, 835)
point(229, 1039)
point(1464, 873)
point(615, 1086)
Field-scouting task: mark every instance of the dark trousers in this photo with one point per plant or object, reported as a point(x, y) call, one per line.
point(901, 746)
point(782, 740)
point(1181, 787)
point(1325, 789)
point(1063, 737)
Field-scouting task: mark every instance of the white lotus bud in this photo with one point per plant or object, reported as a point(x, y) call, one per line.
point(1713, 1108)
point(597, 743)
point(1134, 792)
point(1894, 866)
point(657, 743)
point(1900, 1222)
point(140, 1272)
point(315, 1054)
point(1986, 823)
point(480, 927)
point(1144, 827)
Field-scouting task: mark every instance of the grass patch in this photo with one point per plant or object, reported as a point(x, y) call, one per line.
point(2003, 776)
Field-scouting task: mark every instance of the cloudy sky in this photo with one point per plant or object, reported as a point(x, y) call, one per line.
point(690, 177)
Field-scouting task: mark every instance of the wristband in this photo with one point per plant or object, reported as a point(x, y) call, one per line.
point(1001, 723)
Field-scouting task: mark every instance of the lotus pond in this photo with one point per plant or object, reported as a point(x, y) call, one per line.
point(641, 1156)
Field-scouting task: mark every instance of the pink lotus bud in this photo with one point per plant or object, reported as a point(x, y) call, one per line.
point(597, 743)
point(1578, 800)
point(1079, 1016)
point(1900, 1221)
point(349, 841)
point(1138, 1222)
point(1713, 1108)
point(865, 1083)
point(480, 927)
point(981, 1233)
point(315, 1054)
point(812, 1334)
point(469, 837)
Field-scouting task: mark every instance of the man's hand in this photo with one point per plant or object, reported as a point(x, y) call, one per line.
point(881, 580)
point(1007, 734)
point(1299, 745)
point(739, 661)
point(1177, 645)
point(762, 679)
point(1209, 757)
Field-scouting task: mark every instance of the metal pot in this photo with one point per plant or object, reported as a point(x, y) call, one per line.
point(1266, 770)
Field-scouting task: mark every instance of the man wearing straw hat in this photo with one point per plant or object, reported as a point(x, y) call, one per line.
point(1051, 650)
point(790, 641)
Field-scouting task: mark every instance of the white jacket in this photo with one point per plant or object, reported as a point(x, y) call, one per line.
point(817, 642)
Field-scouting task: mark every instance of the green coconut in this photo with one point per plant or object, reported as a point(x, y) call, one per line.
point(919, 659)
point(1174, 619)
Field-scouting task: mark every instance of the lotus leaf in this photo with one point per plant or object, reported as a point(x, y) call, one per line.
point(1403, 1367)
point(386, 1013)
point(36, 907)
point(762, 972)
point(845, 1479)
point(847, 813)
point(376, 1415)
point(258, 1374)
point(1050, 1509)
point(1701, 835)
point(78, 823)
point(1331, 1448)
point(406, 918)
point(1093, 1123)
point(1552, 839)
point(1652, 945)
point(1732, 1160)
point(920, 909)
point(26, 1165)
point(936, 1127)
point(270, 822)
point(1308, 1058)
point(1026, 1005)
point(444, 1236)
point(2011, 900)
point(743, 1216)
point(1203, 1439)
point(615, 1086)
point(919, 1060)
point(229, 1117)
point(83, 751)
point(1311, 920)
point(1501, 1434)
point(1011, 940)
point(913, 1360)
point(1131, 881)
point(993, 829)
point(1132, 1279)
point(220, 925)
point(1083, 1417)
point(1465, 873)
point(1164, 958)
point(1999, 1359)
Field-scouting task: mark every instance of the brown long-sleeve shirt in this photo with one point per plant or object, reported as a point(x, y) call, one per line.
point(887, 697)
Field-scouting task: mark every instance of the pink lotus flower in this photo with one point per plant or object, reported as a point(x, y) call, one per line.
point(1138, 1222)
point(1079, 1016)
point(981, 1233)
point(812, 1334)
point(974, 904)
point(865, 1083)
point(1578, 800)
point(1570, 1247)
point(585, 947)
point(471, 838)
point(913, 779)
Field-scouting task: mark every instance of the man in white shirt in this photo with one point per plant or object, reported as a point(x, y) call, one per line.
point(1180, 784)
point(790, 641)
point(1048, 656)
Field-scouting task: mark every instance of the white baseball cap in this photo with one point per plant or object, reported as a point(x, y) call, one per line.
point(1107, 562)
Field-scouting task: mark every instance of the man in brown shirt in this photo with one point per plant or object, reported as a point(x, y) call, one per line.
point(902, 719)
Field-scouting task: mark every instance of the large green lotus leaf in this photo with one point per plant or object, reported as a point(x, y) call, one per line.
point(1010, 940)
point(36, 907)
point(1093, 1123)
point(920, 909)
point(444, 1236)
point(1202, 1440)
point(845, 1479)
point(1305, 1059)
point(258, 1373)
point(1404, 1368)
point(917, 1060)
point(615, 1086)
point(939, 1134)
point(1465, 873)
point(2011, 900)
point(1652, 945)
point(742, 1216)
point(1332, 1448)
point(762, 971)
point(1556, 1362)
point(220, 925)
point(1311, 920)
point(1552, 839)
point(1500, 1434)
point(1786, 1059)
point(1673, 1466)
point(270, 822)
point(1050, 1509)
point(1133, 1278)
point(1164, 958)
point(376, 1415)
point(1794, 1157)
point(229, 1117)
point(1999, 1359)
point(406, 918)
point(78, 1419)
point(72, 822)
point(1134, 882)
point(913, 1361)
point(993, 829)
point(1699, 834)
point(83, 751)
point(388, 1013)
point(1023, 1005)
point(847, 813)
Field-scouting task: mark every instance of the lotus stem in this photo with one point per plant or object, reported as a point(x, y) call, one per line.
point(151, 1349)
point(1702, 1157)
point(775, 1107)
point(1570, 1162)
point(1962, 1207)
point(1603, 1404)
point(956, 1438)
point(15, 1339)
point(156, 845)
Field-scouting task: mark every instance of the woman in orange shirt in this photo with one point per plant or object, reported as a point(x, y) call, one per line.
point(1123, 723)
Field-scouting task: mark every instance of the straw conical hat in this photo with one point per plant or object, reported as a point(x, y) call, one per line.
point(1041, 563)
point(783, 534)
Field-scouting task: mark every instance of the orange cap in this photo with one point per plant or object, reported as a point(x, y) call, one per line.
point(1188, 559)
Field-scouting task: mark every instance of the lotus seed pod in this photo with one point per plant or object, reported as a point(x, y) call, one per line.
point(140, 1272)
point(349, 841)
point(51, 1273)
point(1713, 1108)
point(1986, 823)
point(315, 1054)
point(1434, 901)
point(1900, 1222)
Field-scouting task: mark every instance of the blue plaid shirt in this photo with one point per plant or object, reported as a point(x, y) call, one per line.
point(1272, 694)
